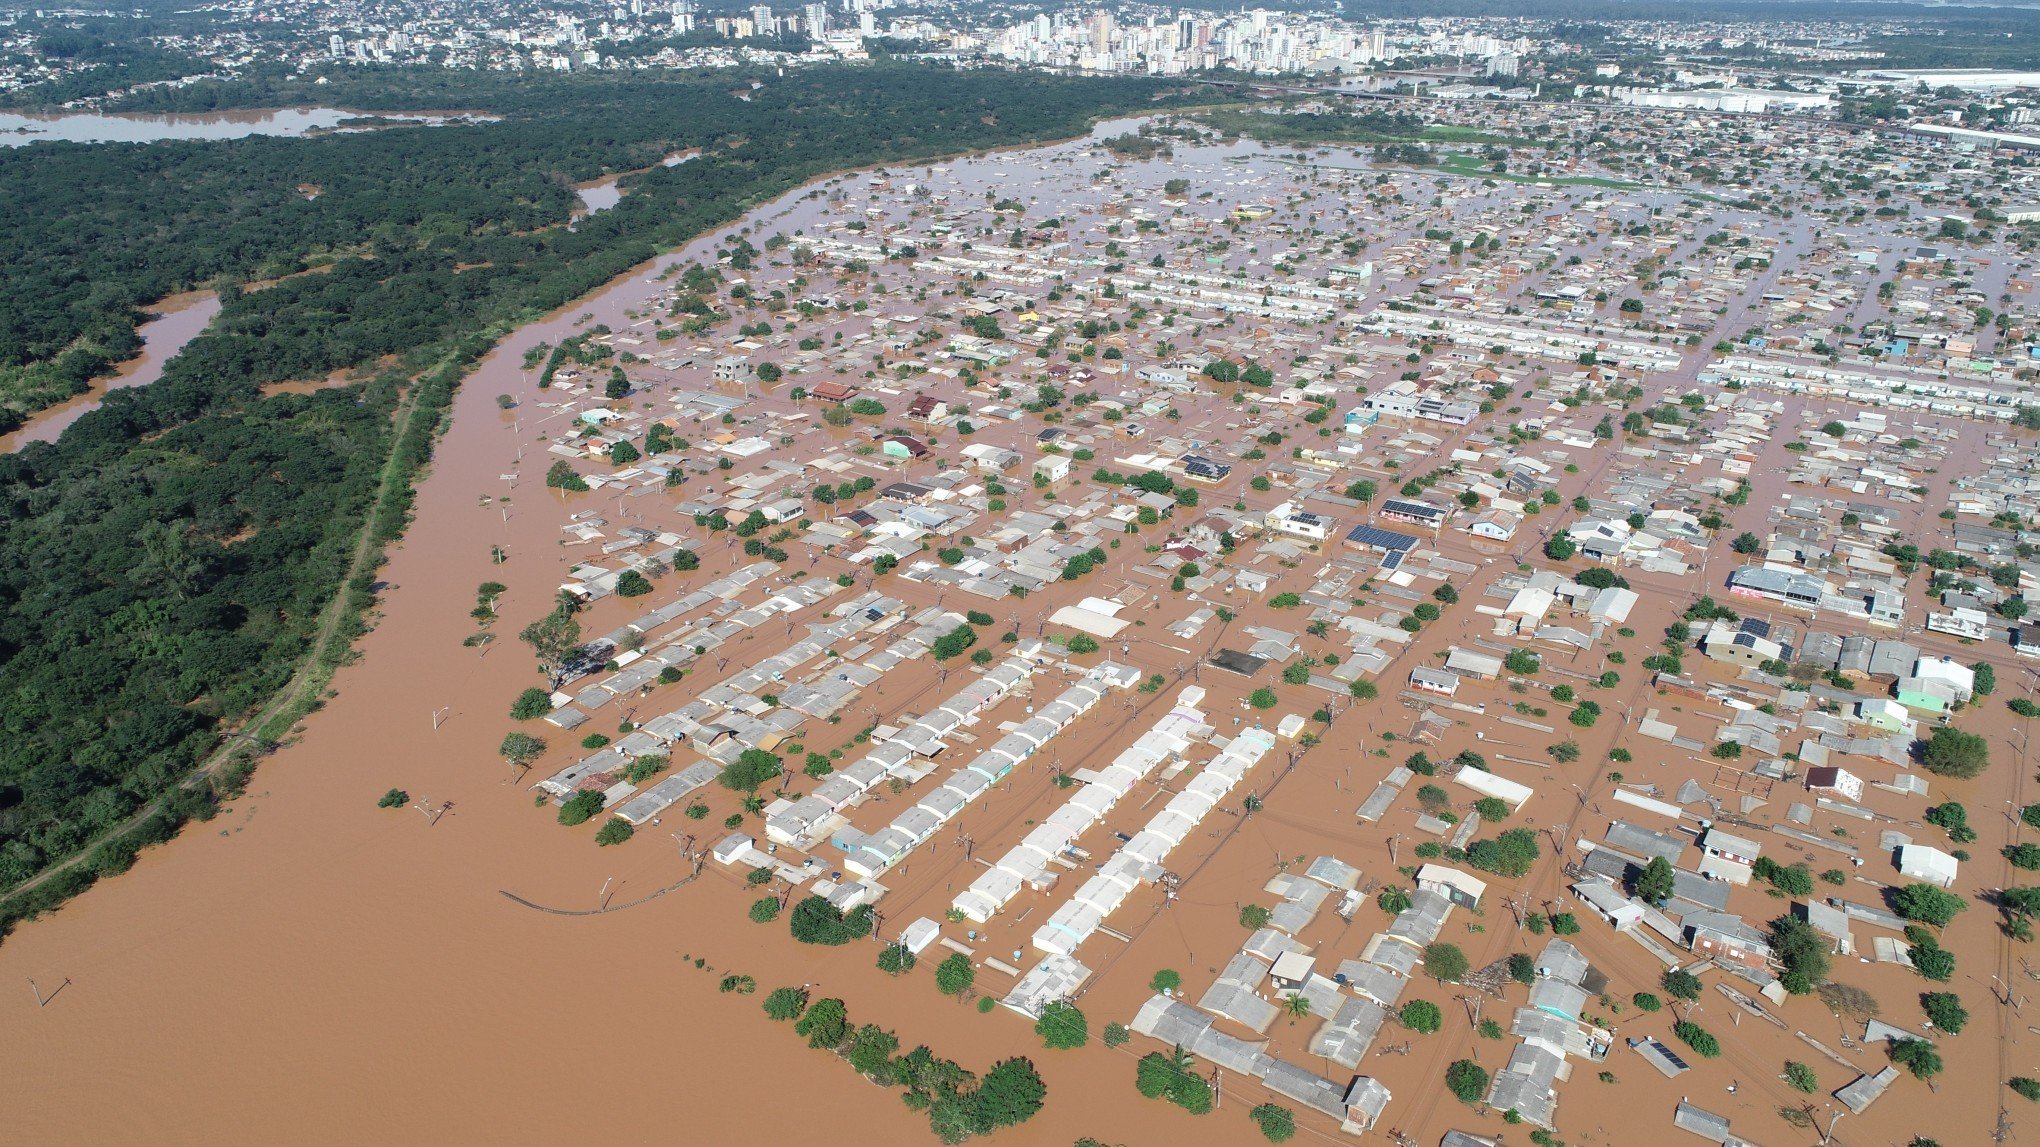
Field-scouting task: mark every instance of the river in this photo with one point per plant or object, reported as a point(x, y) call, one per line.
point(17, 130)
point(177, 320)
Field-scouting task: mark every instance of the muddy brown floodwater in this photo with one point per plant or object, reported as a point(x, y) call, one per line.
point(309, 968)
point(173, 322)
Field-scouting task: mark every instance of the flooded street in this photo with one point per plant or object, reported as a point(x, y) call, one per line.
point(176, 321)
point(312, 968)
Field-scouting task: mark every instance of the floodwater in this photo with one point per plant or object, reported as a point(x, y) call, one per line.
point(603, 194)
point(178, 319)
point(17, 129)
point(310, 968)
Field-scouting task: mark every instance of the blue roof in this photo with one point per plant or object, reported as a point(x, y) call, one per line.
point(1380, 539)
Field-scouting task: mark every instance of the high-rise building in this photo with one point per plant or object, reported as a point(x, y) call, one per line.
point(815, 20)
point(762, 23)
point(336, 46)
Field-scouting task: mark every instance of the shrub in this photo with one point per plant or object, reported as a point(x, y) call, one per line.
point(1166, 980)
point(615, 831)
point(395, 798)
point(1800, 1077)
point(1263, 698)
point(1253, 916)
point(1116, 1035)
point(1466, 1080)
point(1646, 1002)
point(1522, 968)
point(533, 702)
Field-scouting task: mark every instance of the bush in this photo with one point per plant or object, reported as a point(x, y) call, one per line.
point(580, 807)
point(615, 831)
point(1253, 916)
point(1062, 1026)
point(1466, 1080)
point(1277, 1123)
point(954, 975)
point(1116, 1035)
point(786, 1003)
point(533, 702)
point(1422, 1016)
point(1263, 698)
point(1444, 962)
point(1646, 1002)
point(1698, 1038)
point(395, 798)
point(1800, 1077)
point(764, 910)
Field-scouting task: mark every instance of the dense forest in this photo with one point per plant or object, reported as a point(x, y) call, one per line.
point(164, 565)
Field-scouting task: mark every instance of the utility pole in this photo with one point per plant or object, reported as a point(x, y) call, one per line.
point(439, 716)
point(43, 1001)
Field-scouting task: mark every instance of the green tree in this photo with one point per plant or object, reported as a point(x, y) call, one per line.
point(1655, 884)
point(954, 975)
point(580, 807)
point(1422, 1016)
point(764, 910)
point(1444, 962)
point(816, 921)
point(1277, 1123)
point(1466, 1080)
point(1698, 1038)
point(752, 768)
point(1945, 1010)
point(1800, 1077)
point(553, 638)
point(1915, 1055)
point(615, 830)
point(1950, 752)
point(1927, 904)
point(533, 702)
point(785, 1004)
point(1510, 854)
point(1263, 698)
point(896, 959)
point(1062, 1026)
point(1165, 981)
point(1680, 984)
point(826, 1024)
